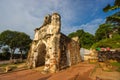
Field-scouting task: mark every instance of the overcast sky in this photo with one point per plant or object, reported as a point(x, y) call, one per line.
point(26, 15)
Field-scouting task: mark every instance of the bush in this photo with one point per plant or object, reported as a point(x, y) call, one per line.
point(110, 42)
point(5, 56)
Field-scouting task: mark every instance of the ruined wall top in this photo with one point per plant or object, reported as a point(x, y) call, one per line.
point(51, 25)
point(56, 19)
point(76, 39)
point(53, 19)
point(47, 20)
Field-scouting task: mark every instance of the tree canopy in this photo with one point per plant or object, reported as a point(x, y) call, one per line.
point(116, 17)
point(110, 42)
point(14, 40)
point(115, 6)
point(110, 28)
point(103, 32)
point(85, 39)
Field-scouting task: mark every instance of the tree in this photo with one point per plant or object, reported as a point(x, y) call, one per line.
point(103, 32)
point(5, 49)
point(78, 33)
point(5, 53)
point(107, 35)
point(85, 39)
point(73, 34)
point(0, 44)
point(113, 7)
point(14, 40)
point(116, 17)
point(110, 42)
point(7, 38)
point(23, 42)
point(115, 22)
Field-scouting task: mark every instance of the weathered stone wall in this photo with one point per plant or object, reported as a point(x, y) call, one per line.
point(69, 52)
point(52, 48)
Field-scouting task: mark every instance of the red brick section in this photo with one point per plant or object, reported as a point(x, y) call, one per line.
point(77, 72)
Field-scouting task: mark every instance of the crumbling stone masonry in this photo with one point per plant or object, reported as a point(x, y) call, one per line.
point(52, 48)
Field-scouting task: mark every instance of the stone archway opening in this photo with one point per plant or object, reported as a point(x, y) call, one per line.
point(52, 48)
point(41, 55)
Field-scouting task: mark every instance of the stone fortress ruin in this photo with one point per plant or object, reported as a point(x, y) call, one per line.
point(52, 48)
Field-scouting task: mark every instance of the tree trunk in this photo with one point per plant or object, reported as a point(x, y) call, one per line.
point(11, 55)
point(21, 55)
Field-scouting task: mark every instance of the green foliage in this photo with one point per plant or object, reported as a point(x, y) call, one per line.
point(73, 34)
point(14, 40)
point(5, 49)
point(85, 39)
point(107, 35)
point(117, 2)
point(106, 9)
point(115, 64)
point(78, 33)
point(113, 7)
point(110, 27)
point(23, 41)
point(7, 37)
point(5, 55)
point(103, 32)
point(114, 19)
point(112, 43)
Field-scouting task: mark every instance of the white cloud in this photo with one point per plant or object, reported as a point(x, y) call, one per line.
point(90, 27)
point(93, 25)
point(26, 15)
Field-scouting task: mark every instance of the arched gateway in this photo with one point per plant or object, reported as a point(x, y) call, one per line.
point(52, 48)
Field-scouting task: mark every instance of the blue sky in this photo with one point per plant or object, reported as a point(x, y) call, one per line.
point(26, 15)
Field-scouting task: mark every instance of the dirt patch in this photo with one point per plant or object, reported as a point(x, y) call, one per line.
point(77, 72)
point(106, 75)
point(2, 70)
